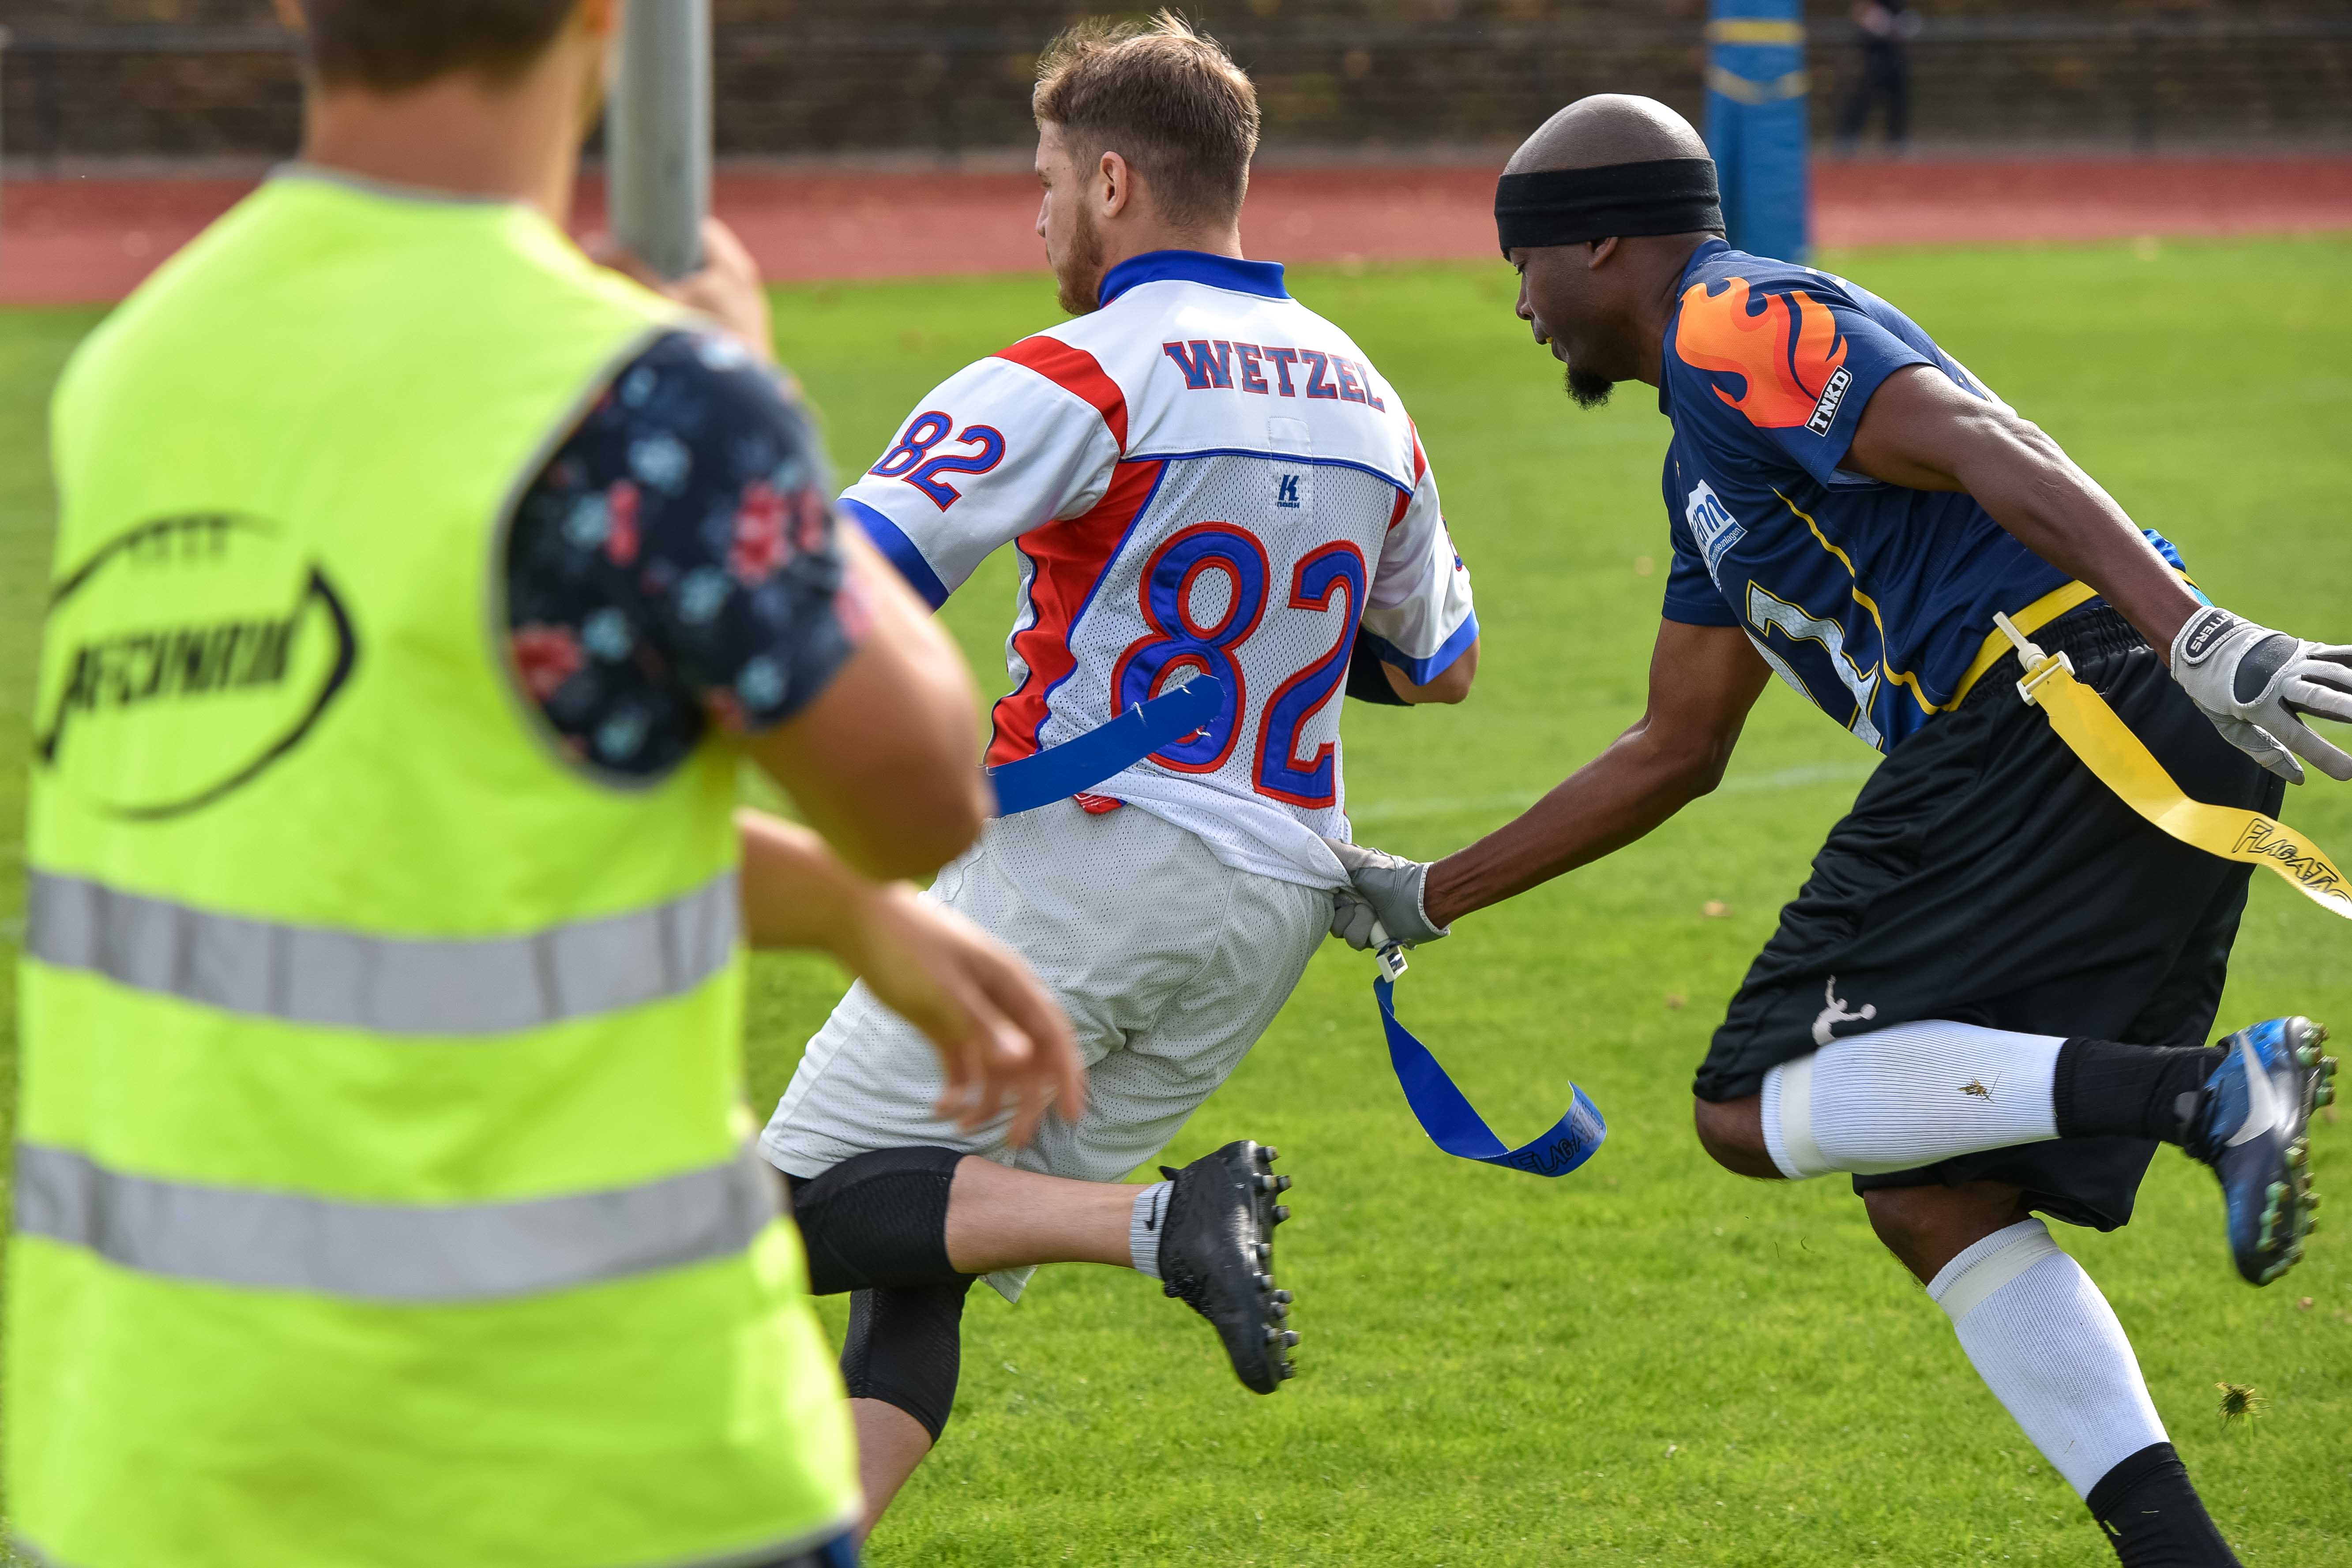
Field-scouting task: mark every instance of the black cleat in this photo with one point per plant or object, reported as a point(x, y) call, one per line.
point(1216, 1255)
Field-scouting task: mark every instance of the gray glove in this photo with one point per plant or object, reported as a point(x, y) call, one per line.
point(2256, 684)
point(1386, 892)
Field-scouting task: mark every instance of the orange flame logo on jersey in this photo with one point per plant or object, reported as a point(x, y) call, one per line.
point(1787, 353)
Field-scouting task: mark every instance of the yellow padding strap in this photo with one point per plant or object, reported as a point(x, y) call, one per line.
point(2106, 746)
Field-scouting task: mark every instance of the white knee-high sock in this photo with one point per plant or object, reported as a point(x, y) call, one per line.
point(2046, 1341)
point(1908, 1095)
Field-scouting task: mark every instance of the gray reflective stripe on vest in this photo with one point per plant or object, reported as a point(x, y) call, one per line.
point(387, 1252)
point(391, 985)
point(785, 1552)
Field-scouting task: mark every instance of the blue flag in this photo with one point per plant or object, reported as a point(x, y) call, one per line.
point(1077, 765)
point(1460, 1131)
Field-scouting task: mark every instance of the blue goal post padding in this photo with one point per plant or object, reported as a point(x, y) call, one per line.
point(1756, 123)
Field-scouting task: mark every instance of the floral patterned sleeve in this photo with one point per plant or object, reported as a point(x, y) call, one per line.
point(674, 563)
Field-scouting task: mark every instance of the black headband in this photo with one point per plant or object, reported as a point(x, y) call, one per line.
point(1568, 206)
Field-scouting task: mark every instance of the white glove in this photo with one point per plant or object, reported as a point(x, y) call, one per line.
point(1386, 892)
point(2256, 684)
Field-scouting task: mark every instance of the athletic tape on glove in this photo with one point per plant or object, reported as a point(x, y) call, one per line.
point(2122, 762)
point(1077, 765)
point(1453, 1126)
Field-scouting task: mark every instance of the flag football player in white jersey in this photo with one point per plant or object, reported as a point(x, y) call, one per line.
point(1202, 478)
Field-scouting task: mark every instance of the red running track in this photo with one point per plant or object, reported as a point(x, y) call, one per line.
point(92, 239)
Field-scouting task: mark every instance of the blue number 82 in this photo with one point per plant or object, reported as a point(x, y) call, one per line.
point(1177, 643)
point(910, 459)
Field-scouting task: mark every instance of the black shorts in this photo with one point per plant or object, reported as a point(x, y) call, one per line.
point(1986, 877)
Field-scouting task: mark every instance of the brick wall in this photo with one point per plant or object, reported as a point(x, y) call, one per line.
point(212, 76)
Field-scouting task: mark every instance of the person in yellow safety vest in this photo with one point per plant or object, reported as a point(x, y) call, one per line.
point(381, 1195)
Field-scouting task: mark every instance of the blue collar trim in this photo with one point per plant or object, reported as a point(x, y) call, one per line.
point(1263, 279)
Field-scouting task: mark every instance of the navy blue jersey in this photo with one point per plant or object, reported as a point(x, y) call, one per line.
point(1874, 600)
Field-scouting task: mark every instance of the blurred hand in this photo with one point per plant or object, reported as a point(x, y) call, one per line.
point(1001, 1036)
point(726, 289)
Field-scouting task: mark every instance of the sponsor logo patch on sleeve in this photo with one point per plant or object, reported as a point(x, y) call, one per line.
point(1825, 411)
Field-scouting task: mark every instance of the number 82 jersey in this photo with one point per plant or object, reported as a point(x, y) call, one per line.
point(1200, 477)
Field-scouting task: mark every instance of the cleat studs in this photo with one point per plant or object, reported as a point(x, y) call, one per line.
point(1266, 1284)
point(1281, 1213)
point(1267, 1154)
point(1283, 1296)
point(1264, 1183)
point(1285, 1372)
point(1289, 1339)
point(2277, 1191)
point(2296, 1154)
point(1265, 1253)
point(1278, 1311)
point(2306, 1056)
point(2318, 1034)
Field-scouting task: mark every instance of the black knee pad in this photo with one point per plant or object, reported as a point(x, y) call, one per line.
point(878, 1219)
point(905, 1348)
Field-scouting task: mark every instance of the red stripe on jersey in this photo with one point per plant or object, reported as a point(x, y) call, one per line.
point(1076, 372)
point(1066, 563)
point(1420, 466)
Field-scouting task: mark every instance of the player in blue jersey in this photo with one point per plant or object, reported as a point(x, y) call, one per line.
point(1990, 998)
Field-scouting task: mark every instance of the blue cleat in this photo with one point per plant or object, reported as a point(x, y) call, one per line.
point(2251, 1123)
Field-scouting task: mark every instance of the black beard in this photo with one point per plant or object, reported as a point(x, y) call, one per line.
point(1587, 390)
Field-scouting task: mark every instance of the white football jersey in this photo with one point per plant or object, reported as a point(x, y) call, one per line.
point(1202, 475)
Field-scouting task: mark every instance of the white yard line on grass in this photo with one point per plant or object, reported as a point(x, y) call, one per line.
point(1447, 805)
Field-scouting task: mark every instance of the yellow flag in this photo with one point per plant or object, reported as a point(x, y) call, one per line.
point(2122, 762)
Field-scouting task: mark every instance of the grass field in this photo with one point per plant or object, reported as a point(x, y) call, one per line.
point(1650, 1362)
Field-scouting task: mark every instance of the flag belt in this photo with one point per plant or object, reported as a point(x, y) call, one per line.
point(2121, 760)
point(2099, 739)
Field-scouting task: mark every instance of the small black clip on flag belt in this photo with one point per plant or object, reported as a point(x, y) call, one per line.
point(1447, 1116)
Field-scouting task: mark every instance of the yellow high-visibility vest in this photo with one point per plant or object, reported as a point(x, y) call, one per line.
point(381, 1193)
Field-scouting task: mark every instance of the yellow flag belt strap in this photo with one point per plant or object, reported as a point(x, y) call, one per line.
point(2122, 762)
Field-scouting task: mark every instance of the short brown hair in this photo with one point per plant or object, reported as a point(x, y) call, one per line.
point(1165, 97)
point(392, 45)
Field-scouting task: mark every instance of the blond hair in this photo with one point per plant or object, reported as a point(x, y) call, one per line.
point(1162, 95)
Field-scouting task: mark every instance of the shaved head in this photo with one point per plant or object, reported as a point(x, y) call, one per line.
point(1601, 304)
point(1605, 129)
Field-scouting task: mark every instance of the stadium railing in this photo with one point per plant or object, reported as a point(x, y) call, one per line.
point(1389, 87)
